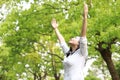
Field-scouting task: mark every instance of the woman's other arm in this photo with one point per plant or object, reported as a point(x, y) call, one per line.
point(55, 27)
point(63, 44)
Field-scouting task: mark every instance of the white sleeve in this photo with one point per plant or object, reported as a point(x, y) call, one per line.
point(83, 46)
point(64, 47)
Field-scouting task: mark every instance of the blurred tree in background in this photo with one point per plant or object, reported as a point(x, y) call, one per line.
point(29, 48)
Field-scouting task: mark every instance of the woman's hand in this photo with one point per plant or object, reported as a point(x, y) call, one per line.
point(85, 10)
point(59, 35)
point(54, 23)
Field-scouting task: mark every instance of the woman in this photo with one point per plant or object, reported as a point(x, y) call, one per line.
point(76, 55)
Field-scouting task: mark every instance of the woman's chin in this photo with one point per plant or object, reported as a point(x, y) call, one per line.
point(70, 44)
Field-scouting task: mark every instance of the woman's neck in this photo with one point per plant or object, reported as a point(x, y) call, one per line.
point(74, 48)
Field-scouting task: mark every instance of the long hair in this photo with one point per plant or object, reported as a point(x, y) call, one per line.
point(71, 52)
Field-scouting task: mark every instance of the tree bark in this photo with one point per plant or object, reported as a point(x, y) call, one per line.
point(106, 55)
point(35, 76)
point(57, 76)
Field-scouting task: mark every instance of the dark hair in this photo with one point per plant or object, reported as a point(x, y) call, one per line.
point(71, 52)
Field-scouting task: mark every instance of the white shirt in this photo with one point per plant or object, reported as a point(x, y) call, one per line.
point(74, 63)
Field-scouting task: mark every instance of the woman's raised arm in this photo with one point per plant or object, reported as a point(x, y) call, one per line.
point(84, 24)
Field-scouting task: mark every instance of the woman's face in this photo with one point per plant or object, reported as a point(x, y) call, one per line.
point(74, 41)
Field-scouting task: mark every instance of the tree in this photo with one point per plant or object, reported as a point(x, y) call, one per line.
point(106, 34)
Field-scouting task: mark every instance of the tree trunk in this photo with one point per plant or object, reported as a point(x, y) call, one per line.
point(106, 55)
point(35, 76)
point(57, 76)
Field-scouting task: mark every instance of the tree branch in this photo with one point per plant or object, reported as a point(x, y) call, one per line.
point(56, 55)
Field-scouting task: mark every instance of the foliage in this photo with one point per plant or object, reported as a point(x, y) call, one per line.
point(91, 76)
point(29, 48)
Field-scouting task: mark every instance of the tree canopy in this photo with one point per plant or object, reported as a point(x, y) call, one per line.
point(29, 48)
